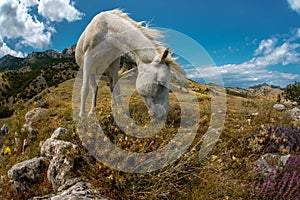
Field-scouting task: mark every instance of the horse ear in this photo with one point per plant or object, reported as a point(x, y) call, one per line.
point(172, 53)
point(165, 55)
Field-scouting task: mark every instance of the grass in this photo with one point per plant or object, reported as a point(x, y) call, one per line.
point(225, 173)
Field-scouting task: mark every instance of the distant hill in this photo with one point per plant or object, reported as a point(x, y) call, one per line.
point(257, 91)
point(24, 78)
point(36, 60)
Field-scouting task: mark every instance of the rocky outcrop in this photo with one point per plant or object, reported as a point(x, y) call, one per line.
point(61, 160)
point(4, 130)
point(73, 190)
point(55, 164)
point(28, 173)
point(295, 113)
point(35, 114)
point(59, 133)
point(290, 108)
point(269, 163)
point(279, 107)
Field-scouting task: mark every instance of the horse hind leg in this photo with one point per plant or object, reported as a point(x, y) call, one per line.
point(84, 94)
point(113, 79)
point(94, 86)
point(85, 85)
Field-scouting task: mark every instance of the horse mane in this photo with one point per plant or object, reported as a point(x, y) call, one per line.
point(153, 35)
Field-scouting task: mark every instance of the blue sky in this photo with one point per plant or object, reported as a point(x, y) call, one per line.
point(250, 41)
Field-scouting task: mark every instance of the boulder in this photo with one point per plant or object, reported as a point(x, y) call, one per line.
point(34, 115)
point(290, 104)
point(28, 173)
point(4, 129)
point(295, 113)
point(269, 164)
point(62, 155)
point(279, 107)
point(74, 190)
point(52, 147)
point(59, 133)
point(58, 170)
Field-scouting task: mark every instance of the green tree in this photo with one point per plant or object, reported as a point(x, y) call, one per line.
point(292, 92)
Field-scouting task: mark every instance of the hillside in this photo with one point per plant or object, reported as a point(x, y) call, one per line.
point(64, 167)
point(24, 78)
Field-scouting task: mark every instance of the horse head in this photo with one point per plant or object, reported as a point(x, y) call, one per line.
point(152, 84)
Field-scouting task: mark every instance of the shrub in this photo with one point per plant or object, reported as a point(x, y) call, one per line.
point(292, 92)
point(285, 184)
point(276, 139)
point(5, 112)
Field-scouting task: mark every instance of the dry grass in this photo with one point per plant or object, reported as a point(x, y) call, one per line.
point(224, 174)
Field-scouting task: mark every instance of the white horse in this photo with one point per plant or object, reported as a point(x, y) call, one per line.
point(98, 51)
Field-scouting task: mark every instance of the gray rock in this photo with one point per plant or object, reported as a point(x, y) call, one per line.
point(73, 190)
point(59, 133)
point(269, 163)
point(28, 128)
point(4, 129)
point(279, 107)
point(62, 155)
point(295, 113)
point(290, 104)
point(35, 114)
point(52, 147)
point(58, 170)
point(28, 173)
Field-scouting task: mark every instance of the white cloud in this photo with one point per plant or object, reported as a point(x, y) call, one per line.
point(276, 51)
point(265, 46)
point(255, 70)
point(58, 10)
point(4, 50)
point(29, 3)
point(17, 23)
point(294, 5)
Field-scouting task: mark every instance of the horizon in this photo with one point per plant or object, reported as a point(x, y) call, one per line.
point(250, 42)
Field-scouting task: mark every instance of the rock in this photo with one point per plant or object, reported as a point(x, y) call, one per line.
point(35, 114)
point(269, 163)
point(279, 107)
point(4, 129)
point(62, 155)
point(59, 133)
point(28, 173)
point(52, 147)
point(290, 104)
point(28, 128)
point(295, 113)
point(58, 170)
point(77, 190)
point(24, 145)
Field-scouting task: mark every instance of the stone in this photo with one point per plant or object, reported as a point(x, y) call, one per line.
point(290, 104)
point(295, 113)
point(35, 114)
point(28, 128)
point(77, 190)
point(269, 163)
point(59, 133)
point(58, 170)
point(28, 173)
point(4, 129)
point(52, 147)
point(279, 107)
point(62, 155)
